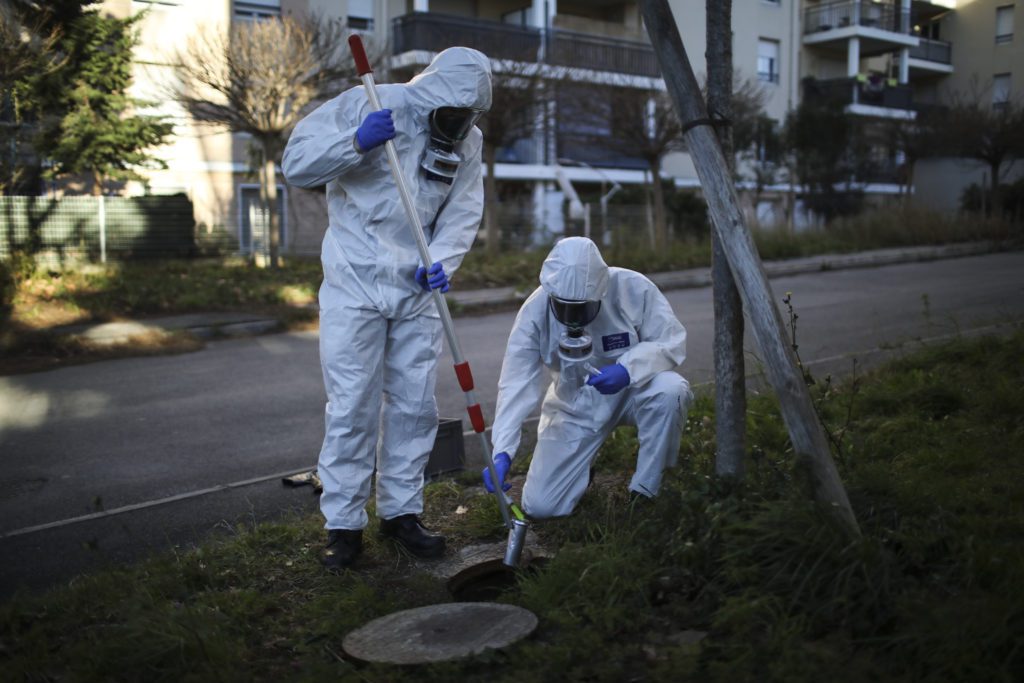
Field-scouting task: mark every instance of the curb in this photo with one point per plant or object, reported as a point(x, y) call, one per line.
point(200, 325)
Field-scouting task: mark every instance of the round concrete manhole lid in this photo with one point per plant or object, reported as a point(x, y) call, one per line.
point(438, 633)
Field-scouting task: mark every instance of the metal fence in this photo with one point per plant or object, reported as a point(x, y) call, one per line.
point(523, 227)
point(85, 229)
point(97, 228)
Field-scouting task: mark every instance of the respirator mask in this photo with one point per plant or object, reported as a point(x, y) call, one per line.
point(575, 347)
point(448, 127)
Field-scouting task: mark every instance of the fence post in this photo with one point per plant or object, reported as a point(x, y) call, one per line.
point(103, 229)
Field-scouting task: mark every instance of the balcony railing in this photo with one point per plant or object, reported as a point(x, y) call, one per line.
point(833, 15)
point(933, 51)
point(601, 53)
point(845, 91)
point(434, 32)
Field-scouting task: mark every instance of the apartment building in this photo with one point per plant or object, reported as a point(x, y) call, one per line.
point(882, 59)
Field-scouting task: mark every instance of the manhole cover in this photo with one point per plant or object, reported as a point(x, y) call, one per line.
point(438, 633)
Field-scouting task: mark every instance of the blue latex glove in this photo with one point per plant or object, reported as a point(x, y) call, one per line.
point(435, 278)
point(502, 463)
point(612, 380)
point(376, 129)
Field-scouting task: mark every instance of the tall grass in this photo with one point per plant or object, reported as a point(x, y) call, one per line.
point(710, 581)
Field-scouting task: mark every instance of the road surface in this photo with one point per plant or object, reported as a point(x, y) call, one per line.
point(107, 461)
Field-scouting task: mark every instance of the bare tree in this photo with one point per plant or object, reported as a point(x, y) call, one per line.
point(644, 124)
point(730, 375)
point(516, 95)
point(260, 78)
point(810, 445)
point(986, 131)
point(915, 140)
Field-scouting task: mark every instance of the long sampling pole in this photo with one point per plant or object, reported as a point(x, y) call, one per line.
point(462, 371)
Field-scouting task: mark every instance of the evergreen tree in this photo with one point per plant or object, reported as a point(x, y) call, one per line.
point(87, 127)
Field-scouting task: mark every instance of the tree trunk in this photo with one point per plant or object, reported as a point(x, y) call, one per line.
point(909, 186)
point(996, 196)
point(268, 195)
point(491, 200)
point(660, 228)
point(730, 373)
point(97, 183)
point(810, 446)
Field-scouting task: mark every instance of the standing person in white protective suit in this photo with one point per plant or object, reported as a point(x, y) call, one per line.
point(380, 333)
point(636, 343)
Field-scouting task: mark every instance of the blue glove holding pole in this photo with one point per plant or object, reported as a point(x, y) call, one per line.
point(610, 380)
point(376, 129)
point(435, 278)
point(502, 463)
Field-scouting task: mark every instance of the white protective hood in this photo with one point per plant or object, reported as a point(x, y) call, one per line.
point(575, 271)
point(456, 77)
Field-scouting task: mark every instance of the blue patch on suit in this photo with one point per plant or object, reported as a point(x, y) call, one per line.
point(615, 341)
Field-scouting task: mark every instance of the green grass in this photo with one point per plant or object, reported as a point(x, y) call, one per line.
point(932, 454)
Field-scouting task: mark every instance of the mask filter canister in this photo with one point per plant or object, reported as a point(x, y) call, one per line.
point(575, 350)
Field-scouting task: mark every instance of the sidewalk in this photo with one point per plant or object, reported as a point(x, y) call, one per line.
point(212, 325)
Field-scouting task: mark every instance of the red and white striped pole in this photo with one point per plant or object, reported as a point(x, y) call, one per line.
point(462, 371)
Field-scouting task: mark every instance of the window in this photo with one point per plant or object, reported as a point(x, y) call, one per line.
point(1004, 24)
point(768, 60)
point(360, 15)
point(254, 10)
point(1000, 91)
point(254, 223)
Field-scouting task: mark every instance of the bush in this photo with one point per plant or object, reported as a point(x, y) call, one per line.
point(973, 198)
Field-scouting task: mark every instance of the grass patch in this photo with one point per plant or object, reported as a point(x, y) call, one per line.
point(140, 289)
point(932, 458)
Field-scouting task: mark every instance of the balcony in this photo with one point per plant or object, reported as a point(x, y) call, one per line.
point(864, 96)
point(880, 26)
point(601, 53)
point(432, 32)
point(939, 51)
point(931, 57)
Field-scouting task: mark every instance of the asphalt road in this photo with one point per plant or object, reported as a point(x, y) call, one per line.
point(179, 446)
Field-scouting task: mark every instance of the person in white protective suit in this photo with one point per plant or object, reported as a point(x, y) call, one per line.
point(380, 333)
point(623, 376)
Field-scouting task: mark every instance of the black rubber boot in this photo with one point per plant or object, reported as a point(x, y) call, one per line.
point(638, 500)
point(407, 530)
point(342, 549)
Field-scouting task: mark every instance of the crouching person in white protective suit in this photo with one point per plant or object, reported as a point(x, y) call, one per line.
point(380, 333)
point(611, 342)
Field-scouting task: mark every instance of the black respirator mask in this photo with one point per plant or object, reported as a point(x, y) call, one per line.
point(448, 127)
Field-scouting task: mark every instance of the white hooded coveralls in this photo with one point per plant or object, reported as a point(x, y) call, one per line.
point(380, 334)
point(635, 328)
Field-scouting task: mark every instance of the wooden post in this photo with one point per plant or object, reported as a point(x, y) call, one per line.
point(805, 432)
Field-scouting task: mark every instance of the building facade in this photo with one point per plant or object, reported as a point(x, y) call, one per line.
point(883, 60)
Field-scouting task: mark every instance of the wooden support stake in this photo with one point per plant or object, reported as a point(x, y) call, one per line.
point(805, 431)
